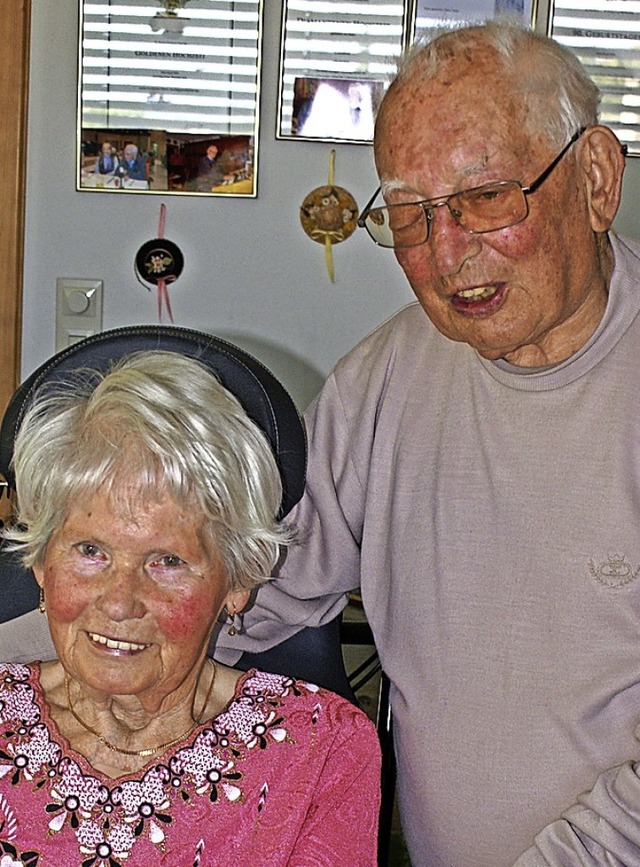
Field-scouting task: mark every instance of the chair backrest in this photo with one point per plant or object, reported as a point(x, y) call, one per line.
point(19, 591)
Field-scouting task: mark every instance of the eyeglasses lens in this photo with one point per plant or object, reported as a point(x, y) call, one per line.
point(398, 225)
point(490, 207)
point(482, 209)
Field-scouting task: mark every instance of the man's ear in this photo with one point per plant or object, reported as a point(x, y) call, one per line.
point(603, 162)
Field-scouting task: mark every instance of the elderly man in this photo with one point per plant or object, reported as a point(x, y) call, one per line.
point(210, 173)
point(107, 162)
point(474, 470)
point(134, 166)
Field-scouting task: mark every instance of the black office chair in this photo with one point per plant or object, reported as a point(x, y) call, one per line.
point(313, 654)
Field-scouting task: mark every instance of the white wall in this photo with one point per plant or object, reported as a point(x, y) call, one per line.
point(251, 274)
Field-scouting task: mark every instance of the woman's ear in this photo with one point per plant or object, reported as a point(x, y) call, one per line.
point(38, 572)
point(236, 600)
point(602, 159)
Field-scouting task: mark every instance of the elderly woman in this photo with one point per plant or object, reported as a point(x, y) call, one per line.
point(146, 508)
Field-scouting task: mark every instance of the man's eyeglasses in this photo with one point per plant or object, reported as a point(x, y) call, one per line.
point(481, 209)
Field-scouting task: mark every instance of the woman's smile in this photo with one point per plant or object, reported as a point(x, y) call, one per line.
point(116, 644)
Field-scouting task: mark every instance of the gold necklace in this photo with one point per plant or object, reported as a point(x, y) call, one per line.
point(141, 753)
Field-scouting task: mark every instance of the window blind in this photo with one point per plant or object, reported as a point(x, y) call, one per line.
point(605, 35)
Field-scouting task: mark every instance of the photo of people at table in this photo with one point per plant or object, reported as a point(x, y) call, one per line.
point(211, 164)
point(141, 160)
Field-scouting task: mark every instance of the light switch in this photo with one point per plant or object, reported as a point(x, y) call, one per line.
point(78, 310)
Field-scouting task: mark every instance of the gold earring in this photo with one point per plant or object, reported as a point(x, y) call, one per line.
point(41, 603)
point(232, 628)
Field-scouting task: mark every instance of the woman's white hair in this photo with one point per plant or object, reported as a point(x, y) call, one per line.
point(558, 96)
point(157, 423)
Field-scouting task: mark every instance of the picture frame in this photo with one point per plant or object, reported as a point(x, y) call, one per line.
point(428, 14)
point(169, 81)
point(336, 59)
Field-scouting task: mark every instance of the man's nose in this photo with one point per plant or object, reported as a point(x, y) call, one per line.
point(452, 245)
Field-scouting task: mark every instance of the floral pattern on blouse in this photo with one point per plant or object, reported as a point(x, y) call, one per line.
point(108, 819)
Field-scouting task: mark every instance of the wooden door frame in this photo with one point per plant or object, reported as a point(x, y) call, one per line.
point(14, 90)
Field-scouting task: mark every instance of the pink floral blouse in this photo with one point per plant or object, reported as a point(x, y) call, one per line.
point(287, 774)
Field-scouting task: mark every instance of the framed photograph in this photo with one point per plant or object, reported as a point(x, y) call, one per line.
point(103, 165)
point(168, 89)
point(335, 108)
point(336, 60)
point(166, 162)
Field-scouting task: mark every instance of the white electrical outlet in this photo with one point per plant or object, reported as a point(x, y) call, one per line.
point(78, 310)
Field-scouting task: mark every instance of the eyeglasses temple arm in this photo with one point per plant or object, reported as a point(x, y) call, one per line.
point(545, 174)
point(365, 211)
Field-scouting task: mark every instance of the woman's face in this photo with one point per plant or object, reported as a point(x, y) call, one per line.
point(133, 590)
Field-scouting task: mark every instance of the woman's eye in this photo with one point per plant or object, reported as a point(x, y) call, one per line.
point(168, 561)
point(88, 549)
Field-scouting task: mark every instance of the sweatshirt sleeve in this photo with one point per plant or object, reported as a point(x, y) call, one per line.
point(323, 564)
point(601, 830)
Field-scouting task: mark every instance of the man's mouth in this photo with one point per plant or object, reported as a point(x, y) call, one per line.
point(115, 644)
point(477, 293)
point(482, 300)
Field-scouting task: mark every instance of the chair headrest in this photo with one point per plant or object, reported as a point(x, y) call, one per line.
point(262, 396)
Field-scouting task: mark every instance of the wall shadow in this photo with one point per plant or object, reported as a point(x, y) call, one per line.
point(301, 379)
